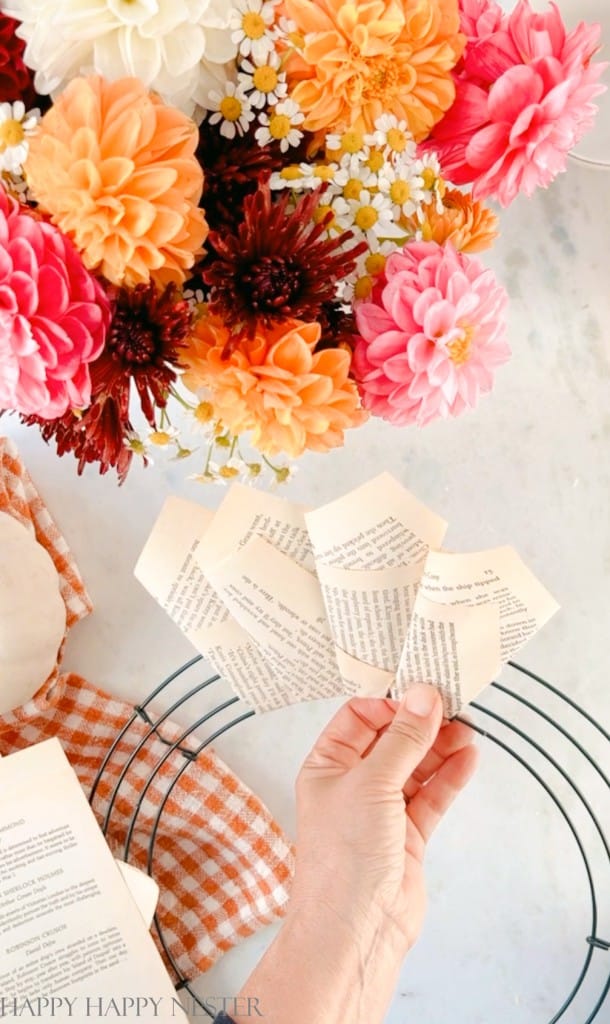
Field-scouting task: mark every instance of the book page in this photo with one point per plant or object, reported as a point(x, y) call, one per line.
point(246, 513)
point(496, 576)
point(169, 569)
point(456, 648)
point(73, 945)
point(369, 612)
point(378, 525)
point(280, 606)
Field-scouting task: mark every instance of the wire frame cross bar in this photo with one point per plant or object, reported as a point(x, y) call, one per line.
point(524, 747)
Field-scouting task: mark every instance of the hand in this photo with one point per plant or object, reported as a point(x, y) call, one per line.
point(369, 796)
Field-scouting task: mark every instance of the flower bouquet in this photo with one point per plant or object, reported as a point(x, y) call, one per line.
point(261, 216)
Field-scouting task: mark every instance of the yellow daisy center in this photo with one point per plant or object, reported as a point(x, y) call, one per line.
point(204, 412)
point(137, 446)
point(11, 134)
point(253, 25)
point(160, 438)
point(231, 108)
point(321, 212)
point(375, 161)
point(228, 472)
point(397, 140)
point(352, 141)
point(366, 218)
point(297, 40)
point(279, 126)
point(459, 350)
point(363, 288)
point(429, 178)
point(352, 188)
point(291, 173)
point(323, 172)
point(265, 78)
point(400, 192)
point(375, 263)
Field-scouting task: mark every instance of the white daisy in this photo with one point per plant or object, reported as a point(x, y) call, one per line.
point(352, 176)
point(231, 108)
point(280, 125)
point(350, 141)
point(251, 22)
point(16, 128)
point(393, 136)
point(163, 437)
point(428, 168)
point(369, 215)
point(265, 83)
point(290, 177)
point(315, 175)
point(404, 187)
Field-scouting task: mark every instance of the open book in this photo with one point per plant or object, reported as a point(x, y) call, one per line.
point(355, 598)
point(73, 942)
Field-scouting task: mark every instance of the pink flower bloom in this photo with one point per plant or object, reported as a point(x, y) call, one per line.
point(53, 317)
point(431, 340)
point(524, 99)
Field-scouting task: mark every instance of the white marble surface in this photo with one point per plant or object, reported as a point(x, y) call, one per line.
point(505, 935)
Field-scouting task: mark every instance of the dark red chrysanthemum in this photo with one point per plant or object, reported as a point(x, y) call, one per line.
point(278, 263)
point(148, 329)
point(96, 435)
point(233, 169)
point(16, 80)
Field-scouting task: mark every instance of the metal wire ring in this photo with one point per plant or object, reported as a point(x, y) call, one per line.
point(594, 943)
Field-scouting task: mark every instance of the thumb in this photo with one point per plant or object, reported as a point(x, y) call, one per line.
point(409, 736)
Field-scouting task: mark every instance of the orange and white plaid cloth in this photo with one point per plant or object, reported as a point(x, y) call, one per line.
point(222, 863)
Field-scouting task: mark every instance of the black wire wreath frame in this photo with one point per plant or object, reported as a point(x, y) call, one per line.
point(594, 943)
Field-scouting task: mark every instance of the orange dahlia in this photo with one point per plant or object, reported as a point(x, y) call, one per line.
point(468, 224)
point(360, 60)
point(275, 385)
point(116, 170)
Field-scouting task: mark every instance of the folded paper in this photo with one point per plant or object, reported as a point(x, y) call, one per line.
point(355, 598)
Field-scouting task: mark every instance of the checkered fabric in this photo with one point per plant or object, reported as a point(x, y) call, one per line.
point(222, 863)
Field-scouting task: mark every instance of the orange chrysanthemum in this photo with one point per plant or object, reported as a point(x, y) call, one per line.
point(468, 224)
point(360, 60)
point(116, 170)
point(275, 385)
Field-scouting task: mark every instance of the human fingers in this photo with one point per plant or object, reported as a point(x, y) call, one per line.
point(451, 738)
point(350, 733)
point(409, 736)
point(432, 801)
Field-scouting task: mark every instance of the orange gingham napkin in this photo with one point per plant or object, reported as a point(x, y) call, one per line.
point(222, 863)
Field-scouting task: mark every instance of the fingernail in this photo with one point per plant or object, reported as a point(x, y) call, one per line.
point(420, 699)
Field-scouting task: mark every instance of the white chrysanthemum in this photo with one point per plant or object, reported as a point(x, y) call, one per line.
point(369, 215)
point(232, 109)
point(180, 48)
point(280, 125)
point(404, 187)
point(16, 128)
point(392, 136)
point(251, 24)
point(265, 83)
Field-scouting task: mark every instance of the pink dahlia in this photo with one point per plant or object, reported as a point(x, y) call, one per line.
point(524, 99)
point(53, 317)
point(432, 336)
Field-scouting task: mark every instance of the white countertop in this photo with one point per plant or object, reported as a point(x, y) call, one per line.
point(509, 906)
